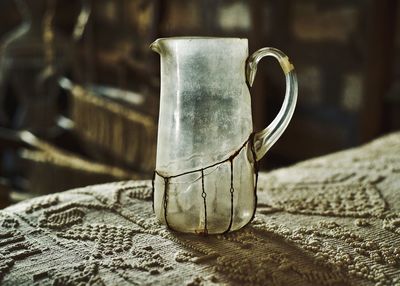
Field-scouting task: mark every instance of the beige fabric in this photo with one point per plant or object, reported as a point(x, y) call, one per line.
point(329, 221)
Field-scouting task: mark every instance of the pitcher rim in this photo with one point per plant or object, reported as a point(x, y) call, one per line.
point(200, 38)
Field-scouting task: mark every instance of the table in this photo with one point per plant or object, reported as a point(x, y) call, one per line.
point(332, 220)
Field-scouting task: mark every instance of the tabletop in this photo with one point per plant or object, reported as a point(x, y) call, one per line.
point(332, 220)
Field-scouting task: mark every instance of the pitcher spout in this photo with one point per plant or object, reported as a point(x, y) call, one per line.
point(156, 47)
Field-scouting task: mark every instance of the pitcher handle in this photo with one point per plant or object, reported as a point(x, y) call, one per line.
point(264, 139)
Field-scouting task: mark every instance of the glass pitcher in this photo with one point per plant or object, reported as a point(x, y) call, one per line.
point(207, 152)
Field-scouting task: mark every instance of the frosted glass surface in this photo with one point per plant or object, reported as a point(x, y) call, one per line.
point(205, 109)
point(205, 116)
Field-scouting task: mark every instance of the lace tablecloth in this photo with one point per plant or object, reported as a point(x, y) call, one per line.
point(333, 220)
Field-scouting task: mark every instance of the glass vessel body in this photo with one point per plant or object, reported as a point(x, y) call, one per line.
point(205, 116)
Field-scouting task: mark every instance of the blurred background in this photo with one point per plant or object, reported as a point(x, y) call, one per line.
point(79, 86)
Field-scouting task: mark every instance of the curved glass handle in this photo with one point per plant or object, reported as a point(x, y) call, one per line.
point(264, 139)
